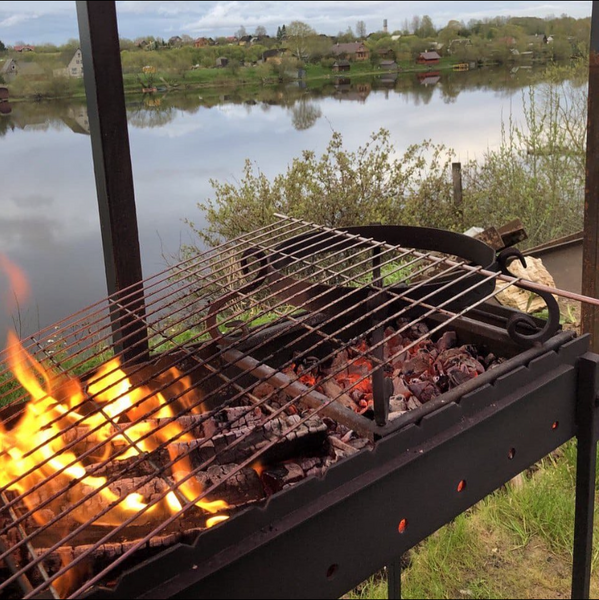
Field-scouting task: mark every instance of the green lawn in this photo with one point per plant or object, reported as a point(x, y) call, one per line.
point(515, 544)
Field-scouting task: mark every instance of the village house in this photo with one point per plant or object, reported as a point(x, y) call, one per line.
point(24, 48)
point(428, 58)
point(74, 69)
point(28, 70)
point(342, 66)
point(272, 56)
point(203, 42)
point(353, 51)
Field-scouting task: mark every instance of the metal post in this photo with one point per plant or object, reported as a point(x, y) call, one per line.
point(586, 417)
point(394, 579)
point(458, 190)
point(104, 87)
point(590, 268)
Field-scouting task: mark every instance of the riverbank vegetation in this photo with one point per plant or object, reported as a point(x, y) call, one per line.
point(300, 52)
point(536, 174)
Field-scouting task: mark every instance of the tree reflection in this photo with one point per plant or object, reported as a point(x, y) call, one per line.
point(151, 113)
point(305, 114)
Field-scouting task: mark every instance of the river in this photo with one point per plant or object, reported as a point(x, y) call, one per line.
point(50, 224)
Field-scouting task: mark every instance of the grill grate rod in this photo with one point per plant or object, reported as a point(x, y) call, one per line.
point(316, 411)
point(282, 303)
point(214, 356)
point(80, 439)
point(145, 382)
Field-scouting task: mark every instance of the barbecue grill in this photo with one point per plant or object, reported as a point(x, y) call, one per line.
point(221, 428)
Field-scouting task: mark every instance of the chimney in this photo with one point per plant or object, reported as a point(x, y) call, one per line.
point(385, 26)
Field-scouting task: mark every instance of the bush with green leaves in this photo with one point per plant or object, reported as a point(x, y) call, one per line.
point(537, 174)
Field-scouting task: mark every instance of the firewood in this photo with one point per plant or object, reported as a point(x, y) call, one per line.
point(333, 390)
point(276, 478)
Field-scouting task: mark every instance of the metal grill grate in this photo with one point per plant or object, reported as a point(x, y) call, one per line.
point(205, 317)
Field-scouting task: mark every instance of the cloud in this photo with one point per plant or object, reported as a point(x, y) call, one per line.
point(14, 20)
point(56, 21)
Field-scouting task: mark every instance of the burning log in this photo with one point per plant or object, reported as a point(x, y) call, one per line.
point(308, 437)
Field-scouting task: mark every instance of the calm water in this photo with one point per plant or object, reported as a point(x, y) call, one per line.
point(50, 224)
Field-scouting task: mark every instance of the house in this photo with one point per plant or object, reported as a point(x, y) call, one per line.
point(222, 62)
point(386, 53)
point(270, 56)
point(25, 48)
point(389, 65)
point(354, 51)
point(428, 58)
point(176, 40)
point(342, 66)
point(74, 68)
point(245, 40)
point(201, 42)
point(28, 70)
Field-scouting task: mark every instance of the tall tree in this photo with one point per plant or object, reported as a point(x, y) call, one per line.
point(241, 32)
point(260, 31)
point(279, 33)
point(299, 35)
point(2, 46)
point(426, 29)
point(361, 29)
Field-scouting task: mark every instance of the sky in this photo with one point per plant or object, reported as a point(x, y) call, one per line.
point(55, 22)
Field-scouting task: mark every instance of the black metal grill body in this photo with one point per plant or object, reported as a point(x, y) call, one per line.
point(324, 537)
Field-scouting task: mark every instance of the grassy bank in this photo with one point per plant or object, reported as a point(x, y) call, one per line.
point(515, 544)
point(217, 79)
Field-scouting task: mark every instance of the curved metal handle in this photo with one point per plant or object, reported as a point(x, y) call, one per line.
point(519, 321)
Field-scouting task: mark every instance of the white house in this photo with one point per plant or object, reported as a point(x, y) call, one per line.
point(74, 68)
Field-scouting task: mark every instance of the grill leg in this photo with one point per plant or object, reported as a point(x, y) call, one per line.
point(394, 577)
point(585, 475)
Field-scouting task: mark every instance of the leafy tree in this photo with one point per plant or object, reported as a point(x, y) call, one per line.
point(2, 46)
point(241, 32)
point(426, 29)
point(260, 31)
point(299, 36)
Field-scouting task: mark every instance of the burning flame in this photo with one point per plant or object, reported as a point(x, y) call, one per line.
point(35, 453)
point(17, 281)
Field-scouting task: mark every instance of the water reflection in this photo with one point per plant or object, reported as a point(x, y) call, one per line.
point(180, 142)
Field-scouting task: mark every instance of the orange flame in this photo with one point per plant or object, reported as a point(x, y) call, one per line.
point(18, 283)
point(33, 453)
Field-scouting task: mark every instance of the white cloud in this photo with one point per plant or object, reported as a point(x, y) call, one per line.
point(14, 20)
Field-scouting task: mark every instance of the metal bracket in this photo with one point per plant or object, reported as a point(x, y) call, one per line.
point(519, 323)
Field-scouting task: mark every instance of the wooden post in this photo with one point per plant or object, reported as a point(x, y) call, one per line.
point(590, 262)
point(105, 92)
point(458, 190)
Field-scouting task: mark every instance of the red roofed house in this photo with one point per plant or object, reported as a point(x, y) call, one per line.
point(24, 48)
point(428, 58)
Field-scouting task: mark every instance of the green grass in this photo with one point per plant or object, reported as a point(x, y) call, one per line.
point(516, 543)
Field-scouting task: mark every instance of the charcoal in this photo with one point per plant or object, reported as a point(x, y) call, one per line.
point(425, 391)
point(417, 366)
point(448, 341)
point(276, 478)
point(224, 448)
point(333, 390)
point(398, 404)
point(236, 490)
point(346, 449)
